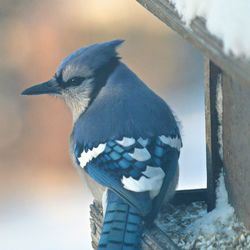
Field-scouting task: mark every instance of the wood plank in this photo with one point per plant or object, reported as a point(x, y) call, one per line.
point(236, 141)
point(200, 38)
point(188, 196)
point(213, 77)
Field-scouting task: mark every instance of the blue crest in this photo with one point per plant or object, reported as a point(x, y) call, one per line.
point(93, 56)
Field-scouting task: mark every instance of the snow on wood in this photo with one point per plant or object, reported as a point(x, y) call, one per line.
point(228, 20)
point(219, 108)
point(191, 227)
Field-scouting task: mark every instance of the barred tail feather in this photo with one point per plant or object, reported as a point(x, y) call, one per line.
point(122, 226)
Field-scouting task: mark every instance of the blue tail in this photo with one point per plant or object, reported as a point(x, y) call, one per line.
point(122, 226)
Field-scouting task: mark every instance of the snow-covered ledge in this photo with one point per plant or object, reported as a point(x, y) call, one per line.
point(191, 227)
point(190, 23)
point(228, 20)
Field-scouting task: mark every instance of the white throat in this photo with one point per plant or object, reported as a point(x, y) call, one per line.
point(78, 98)
point(77, 106)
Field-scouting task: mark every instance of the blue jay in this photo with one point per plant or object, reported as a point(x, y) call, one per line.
point(125, 137)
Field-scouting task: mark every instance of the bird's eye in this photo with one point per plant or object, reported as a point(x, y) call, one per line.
point(75, 81)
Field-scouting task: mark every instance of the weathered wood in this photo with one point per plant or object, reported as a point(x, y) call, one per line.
point(236, 141)
point(213, 77)
point(186, 197)
point(156, 239)
point(198, 35)
point(152, 239)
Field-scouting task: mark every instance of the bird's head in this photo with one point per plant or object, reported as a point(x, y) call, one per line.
point(80, 76)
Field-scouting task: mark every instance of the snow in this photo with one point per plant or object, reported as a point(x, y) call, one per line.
point(229, 20)
point(219, 108)
point(217, 220)
point(191, 227)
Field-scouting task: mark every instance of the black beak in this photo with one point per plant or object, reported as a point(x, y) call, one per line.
point(50, 87)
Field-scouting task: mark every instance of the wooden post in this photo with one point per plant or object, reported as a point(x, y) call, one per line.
point(213, 77)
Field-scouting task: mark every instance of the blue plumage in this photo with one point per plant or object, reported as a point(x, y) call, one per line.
point(122, 225)
point(115, 164)
point(124, 136)
point(124, 107)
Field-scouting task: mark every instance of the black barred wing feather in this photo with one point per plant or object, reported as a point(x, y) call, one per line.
point(136, 169)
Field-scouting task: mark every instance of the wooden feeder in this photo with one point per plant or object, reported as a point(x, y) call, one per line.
point(227, 137)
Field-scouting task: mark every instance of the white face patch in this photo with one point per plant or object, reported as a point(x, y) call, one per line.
point(78, 98)
point(91, 154)
point(140, 154)
point(172, 142)
point(71, 71)
point(152, 184)
point(126, 142)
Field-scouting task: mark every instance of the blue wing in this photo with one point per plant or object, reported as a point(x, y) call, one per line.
point(139, 170)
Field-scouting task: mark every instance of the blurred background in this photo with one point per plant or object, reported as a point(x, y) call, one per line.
point(44, 205)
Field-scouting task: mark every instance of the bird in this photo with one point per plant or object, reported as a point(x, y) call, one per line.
point(125, 137)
